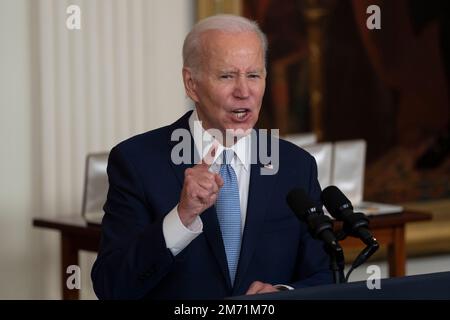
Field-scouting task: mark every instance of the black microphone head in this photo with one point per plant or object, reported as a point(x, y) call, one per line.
point(319, 225)
point(340, 207)
point(301, 204)
point(335, 201)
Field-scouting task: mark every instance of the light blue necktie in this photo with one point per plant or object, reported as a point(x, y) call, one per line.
point(229, 213)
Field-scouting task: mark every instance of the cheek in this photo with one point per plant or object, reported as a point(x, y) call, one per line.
point(221, 98)
point(263, 89)
point(258, 90)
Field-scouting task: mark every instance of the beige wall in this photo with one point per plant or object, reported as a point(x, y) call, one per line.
point(65, 93)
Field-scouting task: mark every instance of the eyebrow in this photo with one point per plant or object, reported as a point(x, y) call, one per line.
point(237, 72)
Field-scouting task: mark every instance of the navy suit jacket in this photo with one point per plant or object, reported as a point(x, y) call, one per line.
point(145, 185)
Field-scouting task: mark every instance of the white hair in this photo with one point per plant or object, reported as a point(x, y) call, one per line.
point(223, 22)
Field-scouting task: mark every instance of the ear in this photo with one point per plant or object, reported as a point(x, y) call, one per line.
point(190, 84)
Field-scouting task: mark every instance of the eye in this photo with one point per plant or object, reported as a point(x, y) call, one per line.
point(226, 76)
point(254, 76)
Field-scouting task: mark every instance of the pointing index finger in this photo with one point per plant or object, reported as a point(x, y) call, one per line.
point(209, 157)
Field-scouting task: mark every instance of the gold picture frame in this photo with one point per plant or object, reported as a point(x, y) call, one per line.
point(206, 8)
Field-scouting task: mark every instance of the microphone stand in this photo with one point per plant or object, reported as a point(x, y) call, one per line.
point(371, 247)
point(337, 262)
point(363, 256)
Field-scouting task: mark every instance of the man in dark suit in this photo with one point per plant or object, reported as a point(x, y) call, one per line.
point(210, 219)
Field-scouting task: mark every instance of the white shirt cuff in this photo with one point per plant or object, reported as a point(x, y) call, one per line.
point(177, 236)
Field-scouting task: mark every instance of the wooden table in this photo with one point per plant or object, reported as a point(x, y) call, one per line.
point(78, 235)
point(389, 230)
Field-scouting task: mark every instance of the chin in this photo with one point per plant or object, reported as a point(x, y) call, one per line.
point(241, 130)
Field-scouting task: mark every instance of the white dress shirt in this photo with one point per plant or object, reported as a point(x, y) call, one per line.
point(176, 235)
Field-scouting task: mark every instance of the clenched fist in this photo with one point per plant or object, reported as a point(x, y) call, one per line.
point(200, 189)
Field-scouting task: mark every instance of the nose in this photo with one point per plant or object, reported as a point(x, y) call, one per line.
point(241, 90)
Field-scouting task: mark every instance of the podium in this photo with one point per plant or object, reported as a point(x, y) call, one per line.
point(432, 286)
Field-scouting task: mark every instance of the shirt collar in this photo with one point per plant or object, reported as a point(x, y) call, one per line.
point(203, 141)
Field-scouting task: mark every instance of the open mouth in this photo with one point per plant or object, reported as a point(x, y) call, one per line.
point(241, 114)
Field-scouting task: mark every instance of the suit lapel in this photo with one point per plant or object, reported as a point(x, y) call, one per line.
point(260, 189)
point(211, 228)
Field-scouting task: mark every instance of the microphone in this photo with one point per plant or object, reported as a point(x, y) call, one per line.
point(340, 207)
point(319, 225)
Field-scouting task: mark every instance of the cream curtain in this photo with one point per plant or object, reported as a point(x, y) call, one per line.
point(118, 76)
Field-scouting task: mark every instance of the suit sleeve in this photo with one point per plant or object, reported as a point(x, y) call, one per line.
point(133, 257)
point(313, 261)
